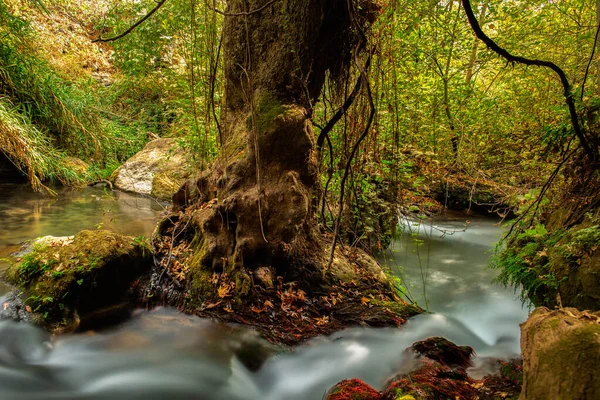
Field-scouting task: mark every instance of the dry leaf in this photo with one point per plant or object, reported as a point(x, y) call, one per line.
point(29, 310)
point(364, 301)
point(256, 309)
point(5, 305)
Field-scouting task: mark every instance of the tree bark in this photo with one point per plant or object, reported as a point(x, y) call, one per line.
point(249, 218)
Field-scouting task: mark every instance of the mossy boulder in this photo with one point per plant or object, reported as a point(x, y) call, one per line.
point(561, 355)
point(63, 279)
point(158, 170)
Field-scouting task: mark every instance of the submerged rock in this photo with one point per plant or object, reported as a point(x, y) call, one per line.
point(561, 355)
point(158, 170)
point(61, 279)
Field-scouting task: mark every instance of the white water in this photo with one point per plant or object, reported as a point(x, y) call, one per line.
point(164, 355)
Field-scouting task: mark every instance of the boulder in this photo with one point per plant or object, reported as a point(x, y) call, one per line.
point(561, 355)
point(61, 280)
point(158, 170)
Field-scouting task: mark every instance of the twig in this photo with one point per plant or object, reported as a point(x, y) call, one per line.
point(132, 27)
point(348, 164)
point(587, 68)
point(342, 110)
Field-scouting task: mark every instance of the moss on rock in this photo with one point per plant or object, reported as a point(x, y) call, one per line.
point(60, 280)
point(561, 353)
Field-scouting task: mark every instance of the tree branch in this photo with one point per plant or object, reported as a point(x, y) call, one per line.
point(342, 110)
point(592, 153)
point(132, 27)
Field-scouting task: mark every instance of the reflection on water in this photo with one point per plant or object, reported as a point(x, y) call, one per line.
point(26, 215)
point(443, 266)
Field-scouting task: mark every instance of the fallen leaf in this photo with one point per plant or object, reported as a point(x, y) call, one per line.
point(5, 305)
point(364, 301)
point(29, 310)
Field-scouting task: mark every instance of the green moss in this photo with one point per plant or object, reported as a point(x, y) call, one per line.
point(402, 310)
point(165, 183)
point(267, 111)
point(58, 278)
point(559, 356)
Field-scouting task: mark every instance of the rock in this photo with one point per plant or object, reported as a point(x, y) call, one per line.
point(352, 389)
point(561, 355)
point(158, 170)
point(61, 279)
point(441, 373)
point(431, 381)
point(444, 351)
point(506, 384)
point(438, 372)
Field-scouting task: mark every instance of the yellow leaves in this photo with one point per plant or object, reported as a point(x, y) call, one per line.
point(228, 308)
point(266, 305)
point(28, 309)
point(364, 301)
point(322, 320)
point(225, 289)
point(477, 385)
point(542, 253)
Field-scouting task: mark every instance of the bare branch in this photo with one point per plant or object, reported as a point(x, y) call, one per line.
point(132, 27)
point(592, 154)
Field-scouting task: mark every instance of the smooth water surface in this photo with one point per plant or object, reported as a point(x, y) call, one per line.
point(162, 354)
point(26, 215)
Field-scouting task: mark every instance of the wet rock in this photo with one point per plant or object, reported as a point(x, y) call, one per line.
point(444, 351)
point(506, 384)
point(61, 279)
point(561, 355)
point(432, 381)
point(158, 170)
point(441, 375)
point(352, 389)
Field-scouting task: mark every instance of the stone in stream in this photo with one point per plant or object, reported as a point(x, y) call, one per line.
point(61, 280)
point(440, 373)
point(158, 170)
point(561, 355)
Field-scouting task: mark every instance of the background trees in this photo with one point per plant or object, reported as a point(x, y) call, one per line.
point(446, 107)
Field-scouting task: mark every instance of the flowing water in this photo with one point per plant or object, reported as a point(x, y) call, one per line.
point(162, 354)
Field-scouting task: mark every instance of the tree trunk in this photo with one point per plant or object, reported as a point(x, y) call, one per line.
point(247, 222)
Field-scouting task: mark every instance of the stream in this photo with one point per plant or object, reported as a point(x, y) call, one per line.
point(162, 354)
